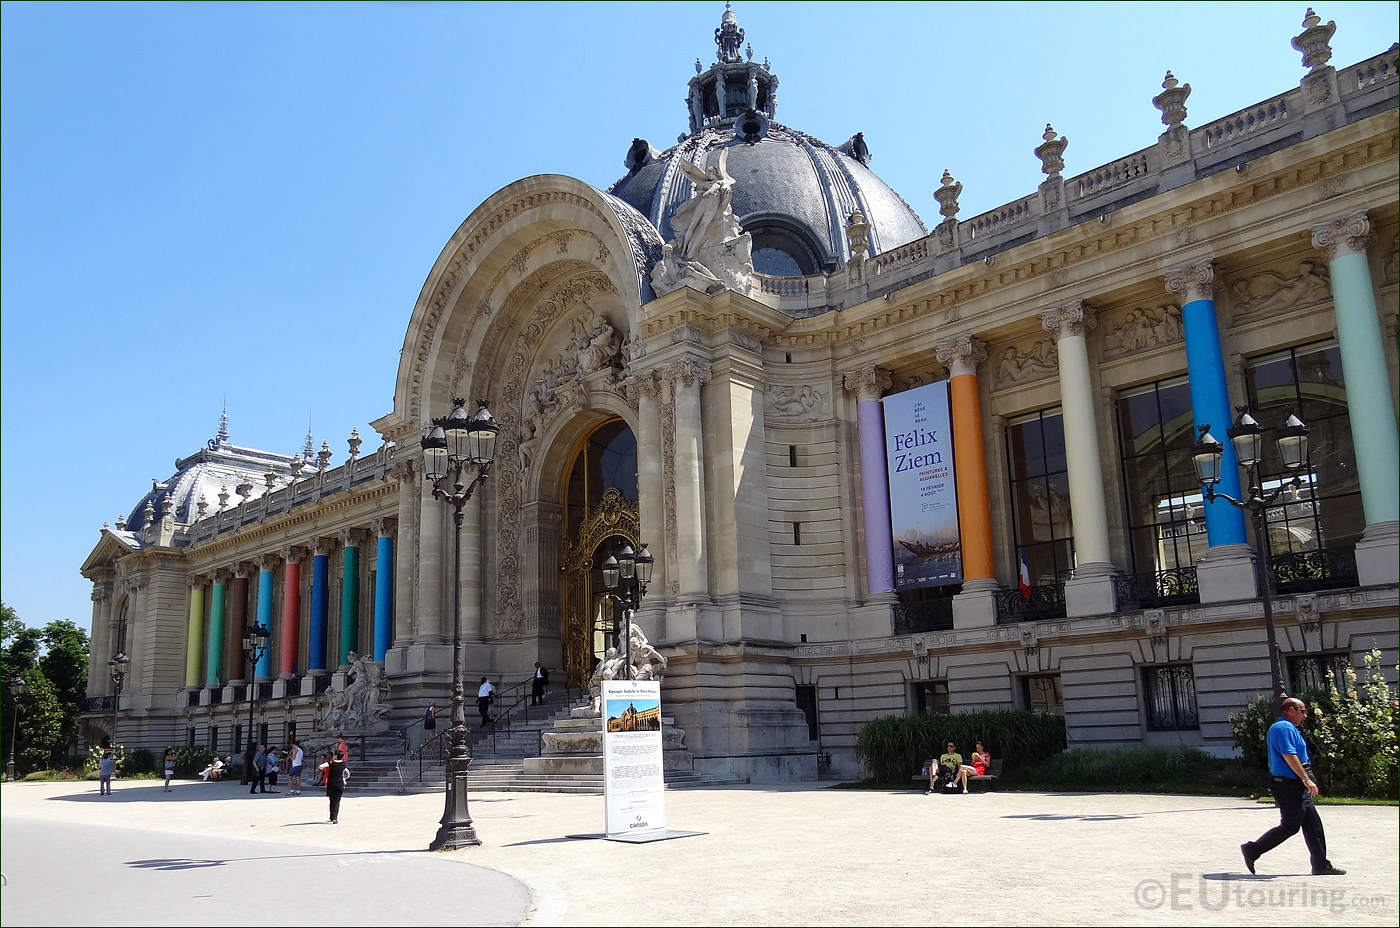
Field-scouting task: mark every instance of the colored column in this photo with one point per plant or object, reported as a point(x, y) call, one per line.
point(383, 589)
point(238, 621)
point(320, 607)
point(969, 457)
point(350, 593)
point(218, 607)
point(289, 632)
point(1369, 405)
point(1086, 490)
point(1210, 399)
point(194, 637)
point(265, 592)
point(870, 385)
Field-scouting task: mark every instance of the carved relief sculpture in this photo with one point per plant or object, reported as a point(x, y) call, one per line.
point(794, 403)
point(1143, 328)
point(1267, 292)
point(1014, 365)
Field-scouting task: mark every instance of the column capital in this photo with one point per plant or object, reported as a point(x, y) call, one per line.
point(1193, 282)
point(352, 537)
point(1340, 237)
point(267, 561)
point(243, 570)
point(195, 582)
point(868, 383)
point(102, 590)
point(1070, 319)
point(292, 553)
point(687, 371)
point(222, 575)
point(385, 526)
point(321, 547)
point(962, 353)
point(403, 470)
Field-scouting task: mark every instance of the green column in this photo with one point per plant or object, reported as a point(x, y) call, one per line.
point(350, 597)
point(214, 662)
point(194, 639)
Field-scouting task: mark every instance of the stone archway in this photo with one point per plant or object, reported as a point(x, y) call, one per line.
point(615, 517)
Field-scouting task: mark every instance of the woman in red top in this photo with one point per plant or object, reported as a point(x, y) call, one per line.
point(981, 760)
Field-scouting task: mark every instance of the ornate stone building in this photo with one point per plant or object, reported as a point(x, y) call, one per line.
point(697, 358)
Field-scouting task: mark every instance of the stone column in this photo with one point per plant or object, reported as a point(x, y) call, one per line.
point(404, 471)
point(383, 587)
point(350, 539)
point(1226, 571)
point(238, 621)
point(869, 385)
point(975, 605)
point(103, 634)
point(1369, 404)
point(1090, 592)
point(471, 592)
point(319, 626)
point(194, 633)
point(692, 557)
point(267, 564)
point(430, 565)
point(289, 634)
point(218, 640)
point(650, 486)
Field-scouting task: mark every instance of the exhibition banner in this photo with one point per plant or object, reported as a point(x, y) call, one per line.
point(633, 785)
point(923, 489)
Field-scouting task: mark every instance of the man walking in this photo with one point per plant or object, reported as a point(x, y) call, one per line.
point(1294, 792)
point(259, 771)
point(483, 700)
point(538, 684)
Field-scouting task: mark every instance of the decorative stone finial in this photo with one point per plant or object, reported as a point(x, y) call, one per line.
point(858, 235)
point(270, 478)
point(201, 505)
point(698, 66)
point(222, 436)
point(1314, 41)
point(729, 37)
point(748, 51)
point(308, 451)
point(295, 463)
point(121, 523)
point(354, 442)
point(1051, 153)
point(323, 457)
point(223, 497)
point(947, 195)
point(1172, 101)
point(244, 488)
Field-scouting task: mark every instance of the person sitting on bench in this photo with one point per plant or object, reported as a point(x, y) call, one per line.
point(953, 768)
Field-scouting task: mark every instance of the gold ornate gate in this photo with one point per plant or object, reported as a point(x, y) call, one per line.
point(615, 517)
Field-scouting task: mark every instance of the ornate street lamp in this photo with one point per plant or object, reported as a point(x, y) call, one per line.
point(117, 666)
point(1247, 438)
point(458, 442)
point(255, 644)
point(626, 577)
point(17, 688)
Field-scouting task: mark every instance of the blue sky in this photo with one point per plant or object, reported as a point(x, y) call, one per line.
point(210, 203)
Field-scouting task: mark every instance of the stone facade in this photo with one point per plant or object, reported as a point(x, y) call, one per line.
point(1274, 227)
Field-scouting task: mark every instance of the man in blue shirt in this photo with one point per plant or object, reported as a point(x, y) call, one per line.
point(1294, 791)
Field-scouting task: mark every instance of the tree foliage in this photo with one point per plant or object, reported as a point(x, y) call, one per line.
point(52, 662)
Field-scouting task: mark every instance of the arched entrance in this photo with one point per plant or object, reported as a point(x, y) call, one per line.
point(600, 513)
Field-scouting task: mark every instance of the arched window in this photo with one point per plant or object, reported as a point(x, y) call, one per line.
point(781, 251)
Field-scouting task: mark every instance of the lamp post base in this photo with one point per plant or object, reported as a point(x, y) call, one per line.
point(456, 829)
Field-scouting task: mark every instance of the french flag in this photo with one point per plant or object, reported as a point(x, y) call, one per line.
point(1025, 577)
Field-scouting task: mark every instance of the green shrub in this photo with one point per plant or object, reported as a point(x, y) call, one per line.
point(139, 762)
point(190, 761)
point(1177, 769)
point(894, 748)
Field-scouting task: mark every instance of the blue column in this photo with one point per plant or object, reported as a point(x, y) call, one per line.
point(384, 595)
point(1210, 398)
point(320, 610)
point(264, 669)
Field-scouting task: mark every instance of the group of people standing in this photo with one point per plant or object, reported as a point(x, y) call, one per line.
point(267, 765)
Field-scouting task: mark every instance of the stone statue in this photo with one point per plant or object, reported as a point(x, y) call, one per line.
point(708, 251)
point(647, 664)
point(363, 698)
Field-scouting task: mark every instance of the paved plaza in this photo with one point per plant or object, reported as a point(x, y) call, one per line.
point(794, 855)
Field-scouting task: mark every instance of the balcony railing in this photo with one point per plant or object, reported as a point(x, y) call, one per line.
point(1044, 602)
point(1175, 587)
point(934, 615)
point(1305, 571)
point(98, 704)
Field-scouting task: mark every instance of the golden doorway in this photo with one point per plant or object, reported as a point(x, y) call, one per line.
point(589, 616)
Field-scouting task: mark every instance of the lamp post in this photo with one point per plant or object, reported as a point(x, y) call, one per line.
point(456, 443)
point(255, 644)
point(628, 574)
point(17, 688)
point(1247, 437)
point(117, 666)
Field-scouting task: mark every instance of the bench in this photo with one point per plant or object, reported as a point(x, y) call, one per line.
point(984, 783)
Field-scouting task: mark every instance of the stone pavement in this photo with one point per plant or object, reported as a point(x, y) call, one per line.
point(810, 855)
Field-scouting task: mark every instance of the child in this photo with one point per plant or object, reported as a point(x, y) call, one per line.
point(169, 768)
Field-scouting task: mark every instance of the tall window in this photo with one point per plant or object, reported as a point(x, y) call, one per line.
point(1309, 671)
point(1166, 526)
point(1170, 694)
point(608, 460)
point(1041, 693)
point(1325, 512)
point(1041, 523)
point(931, 697)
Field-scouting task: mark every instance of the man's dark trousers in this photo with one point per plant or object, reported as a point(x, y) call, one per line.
point(1296, 810)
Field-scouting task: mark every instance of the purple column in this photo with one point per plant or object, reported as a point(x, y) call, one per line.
point(869, 385)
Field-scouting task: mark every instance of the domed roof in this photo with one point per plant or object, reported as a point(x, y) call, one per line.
point(793, 193)
point(219, 467)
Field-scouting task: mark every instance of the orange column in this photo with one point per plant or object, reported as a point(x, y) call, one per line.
point(974, 502)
